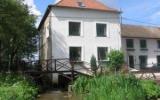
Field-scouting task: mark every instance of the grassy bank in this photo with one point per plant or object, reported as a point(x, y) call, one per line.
point(116, 87)
point(16, 87)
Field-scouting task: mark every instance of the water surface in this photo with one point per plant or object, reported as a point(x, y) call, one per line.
point(57, 95)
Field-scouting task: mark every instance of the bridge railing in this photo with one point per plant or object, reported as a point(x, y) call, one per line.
point(139, 68)
point(51, 65)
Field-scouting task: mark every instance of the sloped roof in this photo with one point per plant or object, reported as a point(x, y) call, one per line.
point(137, 31)
point(88, 4)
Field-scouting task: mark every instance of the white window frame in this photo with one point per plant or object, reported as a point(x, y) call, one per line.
point(107, 29)
point(146, 59)
point(133, 43)
point(108, 50)
point(82, 51)
point(158, 44)
point(140, 44)
point(129, 59)
point(81, 27)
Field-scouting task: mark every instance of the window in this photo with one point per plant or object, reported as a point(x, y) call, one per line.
point(158, 44)
point(143, 44)
point(101, 30)
point(143, 61)
point(129, 44)
point(80, 3)
point(131, 61)
point(102, 51)
point(75, 53)
point(158, 61)
point(74, 28)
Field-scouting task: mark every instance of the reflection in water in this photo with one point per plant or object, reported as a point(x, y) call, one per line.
point(57, 95)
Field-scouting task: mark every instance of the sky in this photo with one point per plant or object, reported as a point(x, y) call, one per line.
point(145, 12)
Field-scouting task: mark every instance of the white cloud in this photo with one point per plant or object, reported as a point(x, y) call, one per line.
point(32, 7)
point(155, 16)
point(33, 10)
point(38, 21)
point(56, 1)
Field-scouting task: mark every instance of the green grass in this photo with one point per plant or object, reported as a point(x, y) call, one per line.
point(16, 87)
point(115, 87)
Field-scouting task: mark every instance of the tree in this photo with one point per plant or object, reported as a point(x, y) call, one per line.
point(18, 34)
point(93, 64)
point(116, 60)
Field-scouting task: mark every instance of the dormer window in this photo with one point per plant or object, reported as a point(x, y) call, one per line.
point(80, 3)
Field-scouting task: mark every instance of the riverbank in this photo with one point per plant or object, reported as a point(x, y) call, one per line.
point(16, 87)
point(116, 87)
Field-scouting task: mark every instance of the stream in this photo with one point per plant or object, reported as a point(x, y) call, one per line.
point(57, 95)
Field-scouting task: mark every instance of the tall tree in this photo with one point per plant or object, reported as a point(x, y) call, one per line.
point(18, 34)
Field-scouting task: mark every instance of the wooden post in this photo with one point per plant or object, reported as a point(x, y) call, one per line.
point(47, 65)
point(72, 69)
point(72, 73)
point(55, 65)
point(51, 65)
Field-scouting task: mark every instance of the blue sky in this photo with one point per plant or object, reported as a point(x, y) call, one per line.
point(147, 11)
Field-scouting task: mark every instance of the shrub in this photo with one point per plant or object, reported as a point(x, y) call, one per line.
point(93, 64)
point(116, 60)
point(152, 90)
point(16, 87)
point(112, 87)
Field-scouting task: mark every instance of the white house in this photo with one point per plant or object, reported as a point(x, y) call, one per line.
point(141, 46)
point(78, 29)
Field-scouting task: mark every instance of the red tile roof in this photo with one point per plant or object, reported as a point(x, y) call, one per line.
point(89, 4)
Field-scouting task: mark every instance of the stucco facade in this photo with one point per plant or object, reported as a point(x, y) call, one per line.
point(151, 53)
point(58, 31)
point(55, 41)
point(87, 40)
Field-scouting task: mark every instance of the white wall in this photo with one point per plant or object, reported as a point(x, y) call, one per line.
point(88, 40)
point(58, 21)
point(151, 53)
point(45, 48)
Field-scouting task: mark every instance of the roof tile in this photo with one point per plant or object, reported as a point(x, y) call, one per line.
point(89, 4)
point(137, 31)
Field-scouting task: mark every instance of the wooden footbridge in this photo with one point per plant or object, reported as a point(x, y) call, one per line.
point(64, 67)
